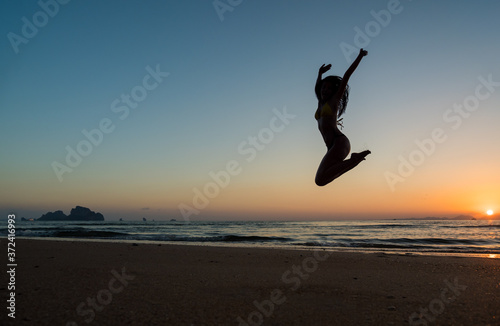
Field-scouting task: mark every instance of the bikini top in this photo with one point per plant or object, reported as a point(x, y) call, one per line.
point(326, 110)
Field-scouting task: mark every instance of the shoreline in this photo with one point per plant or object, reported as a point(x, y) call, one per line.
point(277, 247)
point(109, 283)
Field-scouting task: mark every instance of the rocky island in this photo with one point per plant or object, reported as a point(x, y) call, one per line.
point(78, 213)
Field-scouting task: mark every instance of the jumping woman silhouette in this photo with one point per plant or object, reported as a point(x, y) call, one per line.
point(333, 94)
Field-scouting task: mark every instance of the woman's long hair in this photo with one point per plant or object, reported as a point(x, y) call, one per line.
point(336, 81)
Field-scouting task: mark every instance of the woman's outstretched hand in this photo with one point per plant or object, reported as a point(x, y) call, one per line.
point(324, 68)
point(363, 52)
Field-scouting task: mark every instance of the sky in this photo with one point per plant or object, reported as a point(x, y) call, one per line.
point(204, 110)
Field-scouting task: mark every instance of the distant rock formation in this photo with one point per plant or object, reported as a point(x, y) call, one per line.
point(78, 213)
point(84, 214)
point(433, 218)
point(54, 216)
point(464, 217)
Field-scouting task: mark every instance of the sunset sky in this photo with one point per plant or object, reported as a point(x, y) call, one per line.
point(132, 108)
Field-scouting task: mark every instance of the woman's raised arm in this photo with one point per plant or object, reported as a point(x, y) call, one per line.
point(317, 88)
point(349, 72)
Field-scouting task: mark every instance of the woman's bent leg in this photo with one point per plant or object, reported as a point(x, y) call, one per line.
point(334, 164)
point(325, 175)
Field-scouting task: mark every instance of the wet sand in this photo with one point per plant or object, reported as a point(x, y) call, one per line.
point(104, 283)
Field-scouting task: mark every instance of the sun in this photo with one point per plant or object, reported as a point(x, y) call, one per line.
point(489, 212)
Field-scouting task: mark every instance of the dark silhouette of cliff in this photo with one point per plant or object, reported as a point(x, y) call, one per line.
point(434, 218)
point(78, 213)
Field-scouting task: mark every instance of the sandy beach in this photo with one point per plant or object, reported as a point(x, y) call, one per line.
point(104, 283)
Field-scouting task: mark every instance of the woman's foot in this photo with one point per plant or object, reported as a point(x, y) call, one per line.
point(358, 157)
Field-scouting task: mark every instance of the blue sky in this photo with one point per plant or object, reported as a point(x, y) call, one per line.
point(225, 77)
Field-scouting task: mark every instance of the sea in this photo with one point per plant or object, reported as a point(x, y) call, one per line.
point(476, 237)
